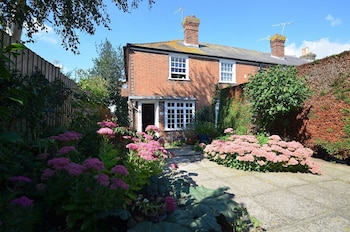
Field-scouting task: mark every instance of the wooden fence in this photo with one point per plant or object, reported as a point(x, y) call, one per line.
point(26, 64)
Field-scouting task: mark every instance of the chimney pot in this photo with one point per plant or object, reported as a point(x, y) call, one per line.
point(191, 25)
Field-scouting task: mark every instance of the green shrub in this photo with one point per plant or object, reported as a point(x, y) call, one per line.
point(273, 93)
point(234, 113)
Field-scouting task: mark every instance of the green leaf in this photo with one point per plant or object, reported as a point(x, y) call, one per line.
point(161, 226)
point(11, 137)
point(122, 213)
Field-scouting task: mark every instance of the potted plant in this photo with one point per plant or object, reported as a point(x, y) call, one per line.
point(205, 132)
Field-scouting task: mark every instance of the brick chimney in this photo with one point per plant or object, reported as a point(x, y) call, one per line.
point(305, 54)
point(190, 25)
point(277, 45)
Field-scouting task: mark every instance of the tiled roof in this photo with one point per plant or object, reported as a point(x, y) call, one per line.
point(220, 51)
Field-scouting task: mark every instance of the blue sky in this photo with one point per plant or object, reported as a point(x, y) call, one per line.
point(323, 26)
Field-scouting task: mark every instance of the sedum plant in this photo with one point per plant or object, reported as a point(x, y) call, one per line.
point(246, 153)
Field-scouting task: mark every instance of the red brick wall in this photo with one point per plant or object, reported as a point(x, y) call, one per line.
point(325, 119)
point(151, 73)
point(243, 71)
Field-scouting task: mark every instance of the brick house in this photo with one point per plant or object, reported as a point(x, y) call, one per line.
point(166, 82)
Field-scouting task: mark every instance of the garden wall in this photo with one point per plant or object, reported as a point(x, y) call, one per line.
point(26, 64)
point(324, 114)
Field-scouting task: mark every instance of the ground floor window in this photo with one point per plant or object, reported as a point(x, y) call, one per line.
point(178, 114)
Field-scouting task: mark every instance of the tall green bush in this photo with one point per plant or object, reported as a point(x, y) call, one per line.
point(234, 113)
point(273, 93)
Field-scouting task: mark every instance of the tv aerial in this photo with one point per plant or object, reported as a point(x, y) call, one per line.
point(181, 9)
point(283, 25)
point(265, 38)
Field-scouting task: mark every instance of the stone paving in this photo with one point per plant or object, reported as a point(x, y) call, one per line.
point(282, 202)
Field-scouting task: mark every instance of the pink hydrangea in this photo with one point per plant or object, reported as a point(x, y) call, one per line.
point(94, 164)
point(20, 179)
point(23, 201)
point(107, 124)
point(102, 179)
point(65, 150)
point(60, 163)
point(120, 169)
point(118, 183)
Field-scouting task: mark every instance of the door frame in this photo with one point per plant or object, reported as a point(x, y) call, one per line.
point(139, 114)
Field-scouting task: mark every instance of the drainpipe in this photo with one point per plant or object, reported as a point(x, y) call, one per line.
point(217, 107)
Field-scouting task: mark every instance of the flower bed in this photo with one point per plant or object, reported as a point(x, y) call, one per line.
point(127, 185)
point(244, 152)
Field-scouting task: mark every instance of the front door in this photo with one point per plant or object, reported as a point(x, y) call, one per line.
point(147, 115)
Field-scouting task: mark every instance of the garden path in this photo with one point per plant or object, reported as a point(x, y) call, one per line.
point(282, 202)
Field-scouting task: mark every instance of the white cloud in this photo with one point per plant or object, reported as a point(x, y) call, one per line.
point(321, 48)
point(333, 21)
point(47, 35)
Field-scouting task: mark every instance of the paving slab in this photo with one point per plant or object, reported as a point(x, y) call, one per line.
point(282, 202)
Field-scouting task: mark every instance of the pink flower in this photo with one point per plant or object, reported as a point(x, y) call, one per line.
point(23, 202)
point(121, 169)
point(20, 179)
point(292, 161)
point(248, 158)
point(75, 169)
point(275, 137)
point(58, 163)
point(47, 173)
point(173, 166)
point(147, 137)
point(65, 150)
point(43, 156)
point(107, 124)
point(152, 128)
point(132, 146)
point(106, 131)
point(102, 179)
point(94, 164)
point(228, 131)
point(118, 183)
point(261, 162)
point(67, 136)
point(169, 205)
point(277, 159)
point(270, 156)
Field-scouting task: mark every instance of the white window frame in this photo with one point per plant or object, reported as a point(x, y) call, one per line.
point(186, 76)
point(186, 118)
point(232, 72)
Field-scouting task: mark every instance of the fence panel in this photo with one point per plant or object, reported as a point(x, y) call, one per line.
point(26, 64)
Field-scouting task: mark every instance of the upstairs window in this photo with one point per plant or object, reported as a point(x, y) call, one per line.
point(227, 71)
point(178, 67)
point(178, 114)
